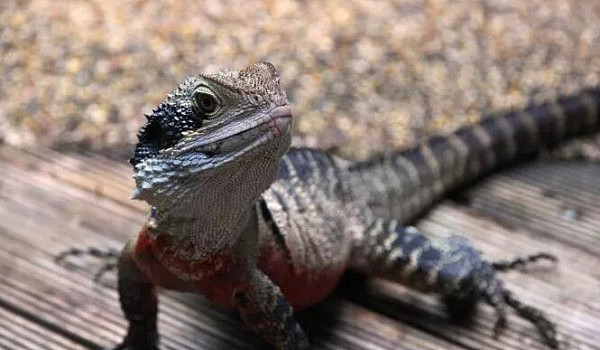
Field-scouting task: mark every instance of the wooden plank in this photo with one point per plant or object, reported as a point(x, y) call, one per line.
point(107, 179)
point(41, 215)
point(51, 201)
point(519, 198)
point(19, 333)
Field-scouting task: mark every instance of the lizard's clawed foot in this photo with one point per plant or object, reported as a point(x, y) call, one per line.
point(499, 297)
point(486, 285)
point(502, 298)
point(109, 257)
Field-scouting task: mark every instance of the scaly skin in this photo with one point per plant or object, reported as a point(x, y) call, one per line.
point(248, 224)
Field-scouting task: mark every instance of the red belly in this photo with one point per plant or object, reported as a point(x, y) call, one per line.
point(217, 278)
point(302, 287)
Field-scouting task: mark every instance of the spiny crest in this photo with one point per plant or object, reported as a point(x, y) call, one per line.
point(258, 79)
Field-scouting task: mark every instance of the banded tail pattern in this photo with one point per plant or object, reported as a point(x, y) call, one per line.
point(402, 184)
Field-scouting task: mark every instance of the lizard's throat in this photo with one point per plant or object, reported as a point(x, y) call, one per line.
point(212, 209)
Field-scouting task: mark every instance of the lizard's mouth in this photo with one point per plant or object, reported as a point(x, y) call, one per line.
point(275, 125)
point(281, 120)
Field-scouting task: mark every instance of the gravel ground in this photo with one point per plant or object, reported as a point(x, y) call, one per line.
point(362, 75)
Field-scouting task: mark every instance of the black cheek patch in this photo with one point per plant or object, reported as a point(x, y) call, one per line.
point(165, 128)
point(152, 138)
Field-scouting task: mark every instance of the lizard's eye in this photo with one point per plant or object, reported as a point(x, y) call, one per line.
point(205, 102)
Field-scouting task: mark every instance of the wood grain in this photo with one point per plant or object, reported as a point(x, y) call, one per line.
point(52, 201)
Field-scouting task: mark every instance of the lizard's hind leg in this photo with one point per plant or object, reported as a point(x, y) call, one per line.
point(450, 267)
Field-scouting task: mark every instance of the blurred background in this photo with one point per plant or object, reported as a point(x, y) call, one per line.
point(362, 76)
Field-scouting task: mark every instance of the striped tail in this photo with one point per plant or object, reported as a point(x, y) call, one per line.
point(402, 184)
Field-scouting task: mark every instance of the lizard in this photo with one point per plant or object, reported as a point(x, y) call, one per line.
point(254, 225)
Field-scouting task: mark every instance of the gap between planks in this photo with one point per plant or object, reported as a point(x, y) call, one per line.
point(67, 190)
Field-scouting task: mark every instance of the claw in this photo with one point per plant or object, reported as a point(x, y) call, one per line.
point(95, 252)
point(494, 297)
point(500, 324)
point(522, 261)
point(546, 328)
point(498, 297)
point(107, 267)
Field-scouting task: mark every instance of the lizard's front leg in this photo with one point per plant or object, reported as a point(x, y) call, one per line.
point(139, 303)
point(265, 311)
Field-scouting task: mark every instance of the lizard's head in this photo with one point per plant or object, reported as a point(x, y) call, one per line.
point(213, 134)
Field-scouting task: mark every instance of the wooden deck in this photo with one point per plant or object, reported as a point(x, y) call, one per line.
point(51, 201)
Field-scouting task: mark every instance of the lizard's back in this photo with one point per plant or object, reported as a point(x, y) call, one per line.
point(311, 219)
point(320, 207)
